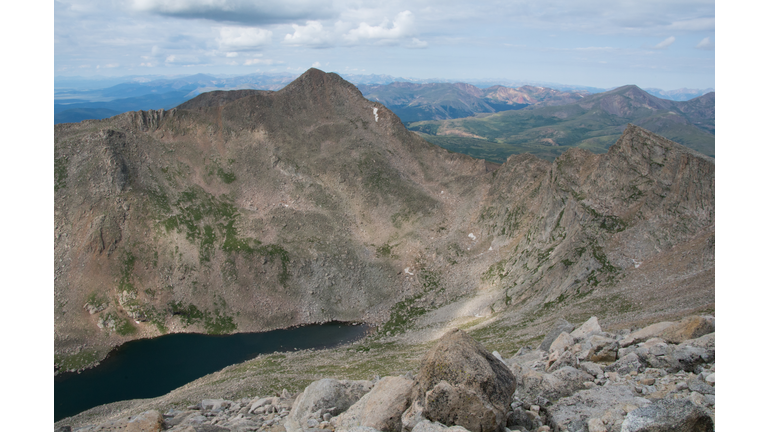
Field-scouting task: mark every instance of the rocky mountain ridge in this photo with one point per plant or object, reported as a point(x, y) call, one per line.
point(313, 204)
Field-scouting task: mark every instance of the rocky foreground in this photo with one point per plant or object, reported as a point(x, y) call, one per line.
point(658, 378)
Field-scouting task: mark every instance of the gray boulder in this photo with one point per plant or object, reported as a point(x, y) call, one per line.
point(461, 383)
point(664, 415)
point(561, 326)
point(588, 328)
point(325, 396)
point(428, 426)
point(561, 383)
point(381, 408)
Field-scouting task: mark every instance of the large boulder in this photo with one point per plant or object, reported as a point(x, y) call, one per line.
point(689, 328)
point(381, 408)
point(561, 326)
point(325, 396)
point(645, 333)
point(590, 327)
point(461, 383)
point(678, 415)
point(551, 386)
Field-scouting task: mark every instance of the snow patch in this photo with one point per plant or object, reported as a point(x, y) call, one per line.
point(472, 236)
point(407, 270)
point(636, 263)
point(375, 114)
point(490, 248)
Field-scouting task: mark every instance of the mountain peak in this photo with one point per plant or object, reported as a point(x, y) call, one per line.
point(314, 79)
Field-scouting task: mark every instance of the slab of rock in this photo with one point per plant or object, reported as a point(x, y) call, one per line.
point(326, 395)
point(677, 415)
point(571, 413)
point(562, 342)
point(689, 328)
point(381, 408)
point(560, 326)
point(561, 383)
point(148, 421)
point(586, 329)
point(645, 333)
point(461, 383)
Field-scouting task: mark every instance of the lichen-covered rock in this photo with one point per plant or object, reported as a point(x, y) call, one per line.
point(668, 415)
point(458, 375)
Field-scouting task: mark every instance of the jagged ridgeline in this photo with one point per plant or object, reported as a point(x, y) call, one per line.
point(254, 210)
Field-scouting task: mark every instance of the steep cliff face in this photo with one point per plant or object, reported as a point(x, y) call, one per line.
point(259, 210)
point(587, 221)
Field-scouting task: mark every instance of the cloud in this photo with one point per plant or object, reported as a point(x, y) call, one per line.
point(665, 43)
point(415, 43)
point(242, 11)
point(706, 44)
point(243, 38)
point(182, 60)
point(311, 34)
point(316, 64)
point(258, 61)
point(402, 27)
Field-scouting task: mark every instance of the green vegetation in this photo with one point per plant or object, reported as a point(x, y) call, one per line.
point(385, 251)
point(405, 312)
point(60, 173)
point(126, 270)
point(84, 358)
point(214, 323)
point(209, 222)
point(226, 177)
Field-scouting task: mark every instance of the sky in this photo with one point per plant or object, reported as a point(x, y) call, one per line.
point(666, 44)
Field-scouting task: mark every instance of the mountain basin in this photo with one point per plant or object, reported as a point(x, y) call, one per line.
point(149, 368)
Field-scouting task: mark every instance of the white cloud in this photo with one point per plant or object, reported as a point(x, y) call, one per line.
point(416, 43)
point(258, 61)
point(231, 54)
point(706, 44)
point(316, 65)
point(243, 11)
point(182, 60)
point(403, 26)
point(311, 34)
point(696, 24)
point(665, 43)
point(243, 38)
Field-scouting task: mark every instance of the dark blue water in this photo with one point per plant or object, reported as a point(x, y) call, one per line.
point(152, 367)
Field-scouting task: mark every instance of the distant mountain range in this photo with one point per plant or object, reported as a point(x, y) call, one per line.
point(594, 123)
point(81, 98)
point(440, 101)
